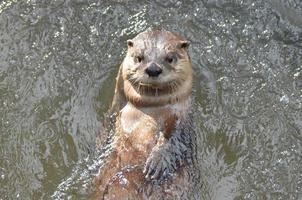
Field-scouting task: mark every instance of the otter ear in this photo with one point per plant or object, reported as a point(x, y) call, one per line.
point(183, 44)
point(130, 43)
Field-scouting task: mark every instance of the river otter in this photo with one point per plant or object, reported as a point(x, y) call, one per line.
point(153, 144)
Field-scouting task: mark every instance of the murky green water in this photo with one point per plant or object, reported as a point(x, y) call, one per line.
point(58, 60)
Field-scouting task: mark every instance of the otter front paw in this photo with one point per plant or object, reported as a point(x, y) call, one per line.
point(160, 164)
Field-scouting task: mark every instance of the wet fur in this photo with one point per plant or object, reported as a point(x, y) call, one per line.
point(152, 147)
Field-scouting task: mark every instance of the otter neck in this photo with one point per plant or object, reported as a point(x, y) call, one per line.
point(182, 94)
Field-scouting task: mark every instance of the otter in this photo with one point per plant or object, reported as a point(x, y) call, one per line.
point(152, 146)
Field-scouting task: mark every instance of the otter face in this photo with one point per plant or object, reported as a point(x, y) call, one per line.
point(157, 65)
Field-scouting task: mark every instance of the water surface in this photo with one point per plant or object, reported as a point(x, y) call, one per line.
point(58, 60)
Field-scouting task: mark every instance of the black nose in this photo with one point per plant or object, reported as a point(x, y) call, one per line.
point(153, 70)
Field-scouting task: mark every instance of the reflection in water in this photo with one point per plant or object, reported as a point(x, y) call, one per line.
point(58, 60)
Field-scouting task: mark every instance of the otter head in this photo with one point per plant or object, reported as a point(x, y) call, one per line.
point(157, 69)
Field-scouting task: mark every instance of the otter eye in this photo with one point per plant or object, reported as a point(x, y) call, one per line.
point(138, 59)
point(170, 59)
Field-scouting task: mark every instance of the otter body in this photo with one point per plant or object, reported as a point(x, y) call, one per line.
point(152, 147)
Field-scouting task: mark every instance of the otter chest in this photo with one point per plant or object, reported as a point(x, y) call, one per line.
point(147, 121)
point(133, 120)
point(138, 125)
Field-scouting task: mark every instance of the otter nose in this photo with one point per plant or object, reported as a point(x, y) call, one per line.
point(153, 70)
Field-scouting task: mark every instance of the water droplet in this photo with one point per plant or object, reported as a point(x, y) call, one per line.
point(284, 99)
point(296, 74)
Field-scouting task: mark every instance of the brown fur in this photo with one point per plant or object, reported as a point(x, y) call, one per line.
point(150, 110)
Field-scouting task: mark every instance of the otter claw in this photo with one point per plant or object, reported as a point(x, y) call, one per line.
point(157, 167)
point(149, 167)
point(156, 174)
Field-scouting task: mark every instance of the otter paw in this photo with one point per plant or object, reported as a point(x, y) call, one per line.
point(160, 164)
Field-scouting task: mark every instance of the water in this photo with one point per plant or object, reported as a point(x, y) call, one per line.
point(57, 64)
